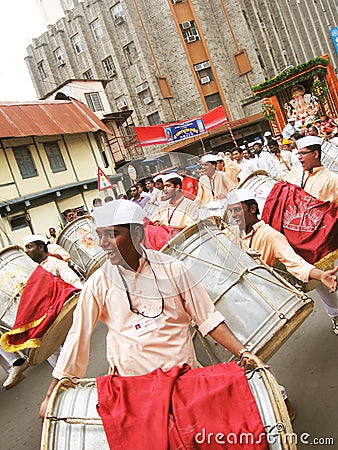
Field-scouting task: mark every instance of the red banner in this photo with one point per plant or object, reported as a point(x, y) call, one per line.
point(158, 134)
point(310, 225)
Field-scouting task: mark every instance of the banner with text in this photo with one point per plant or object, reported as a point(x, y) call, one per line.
point(177, 131)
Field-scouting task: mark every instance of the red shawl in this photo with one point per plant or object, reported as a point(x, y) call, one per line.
point(136, 411)
point(310, 225)
point(157, 236)
point(41, 301)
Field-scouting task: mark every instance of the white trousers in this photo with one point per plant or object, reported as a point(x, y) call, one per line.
point(7, 359)
point(330, 301)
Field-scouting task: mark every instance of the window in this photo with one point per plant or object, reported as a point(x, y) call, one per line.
point(96, 29)
point(76, 40)
point(213, 101)
point(146, 96)
point(18, 222)
point(88, 75)
point(121, 103)
point(54, 156)
point(25, 161)
point(154, 119)
point(118, 13)
point(189, 31)
point(94, 102)
point(130, 53)
point(204, 72)
point(109, 67)
point(59, 57)
point(41, 70)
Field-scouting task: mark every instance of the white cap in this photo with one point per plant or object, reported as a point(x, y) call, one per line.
point(308, 140)
point(240, 195)
point(267, 133)
point(292, 119)
point(170, 176)
point(118, 212)
point(158, 177)
point(209, 158)
point(34, 237)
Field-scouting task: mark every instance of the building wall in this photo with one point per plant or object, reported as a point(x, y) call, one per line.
point(37, 197)
point(274, 33)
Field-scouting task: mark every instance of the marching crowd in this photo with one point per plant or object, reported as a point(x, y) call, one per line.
point(156, 295)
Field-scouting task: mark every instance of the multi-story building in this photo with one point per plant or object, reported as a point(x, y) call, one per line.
point(168, 60)
point(50, 154)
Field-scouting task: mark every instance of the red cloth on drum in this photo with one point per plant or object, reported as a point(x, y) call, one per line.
point(204, 408)
point(155, 237)
point(310, 225)
point(40, 303)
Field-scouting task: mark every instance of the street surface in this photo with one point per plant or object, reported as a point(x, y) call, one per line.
point(307, 365)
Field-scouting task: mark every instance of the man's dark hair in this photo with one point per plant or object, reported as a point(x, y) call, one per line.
point(297, 135)
point(237, 149)
point(176, 181)
point(315, 147)
point(132, 226)
point(250, 203)
point(39, 243)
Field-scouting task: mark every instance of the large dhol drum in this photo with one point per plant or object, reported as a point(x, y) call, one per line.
point(73, 423)
point(261, 184)
point(15, 269)
point(77, 239)
point(260, 308)
point(329, 156)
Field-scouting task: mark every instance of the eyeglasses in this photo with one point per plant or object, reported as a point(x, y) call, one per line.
point(304, 153)
point(133, 190)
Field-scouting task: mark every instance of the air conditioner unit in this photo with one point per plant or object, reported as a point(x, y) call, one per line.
point(141, 87)
point(119, 19)
point(201, 66)
point(111, 73)
point(191, 38)
point(186, 25)
point(61, 62)
point(205, 80)
point(147, 100)
point(177, 1)
point(121, 104)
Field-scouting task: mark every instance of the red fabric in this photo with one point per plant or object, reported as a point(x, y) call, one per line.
point(43, 295)
point(310, 225)
point(196, 404)
point(155, 237)
point(189, 187)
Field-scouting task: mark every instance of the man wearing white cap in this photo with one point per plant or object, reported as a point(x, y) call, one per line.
point(273, 246)
point(37, 249)
point(175, 210)
point(321, 183)
point(289, 128)
point(146, 300)
point(213, 184)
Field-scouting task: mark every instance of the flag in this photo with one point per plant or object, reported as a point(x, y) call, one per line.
point(310, 225)
point(103, 182)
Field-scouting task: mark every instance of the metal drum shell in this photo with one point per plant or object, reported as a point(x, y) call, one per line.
point(78, 240)
point(329, 156)
point(261, 184)
point(15, 269)
point(262, 309)
point(73, 423)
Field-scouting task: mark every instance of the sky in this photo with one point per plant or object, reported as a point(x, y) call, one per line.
point(20, 22)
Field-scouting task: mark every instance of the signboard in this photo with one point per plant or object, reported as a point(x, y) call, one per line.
point(132, 172)
point(103, 181)
point(334, 35)
point(184, 130)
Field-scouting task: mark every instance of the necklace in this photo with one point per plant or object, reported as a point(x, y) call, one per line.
point(132, 308)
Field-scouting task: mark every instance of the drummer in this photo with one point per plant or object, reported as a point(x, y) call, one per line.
point(273, 246)
point(213, 185)
point(146, 299)
point(175, 210)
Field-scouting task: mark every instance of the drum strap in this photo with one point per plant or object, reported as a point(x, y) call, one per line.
point(303, 182)
point(170, 216)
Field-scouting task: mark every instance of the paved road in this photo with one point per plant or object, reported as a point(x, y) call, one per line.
point(307, 365)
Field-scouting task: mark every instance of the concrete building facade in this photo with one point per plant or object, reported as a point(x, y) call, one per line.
point(168, 60)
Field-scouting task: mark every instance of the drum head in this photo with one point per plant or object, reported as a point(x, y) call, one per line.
point(56, 333)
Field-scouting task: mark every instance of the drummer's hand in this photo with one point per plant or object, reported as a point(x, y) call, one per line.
point(249, 360)
point(157, 223)
point(329, 279)
point(43, 408)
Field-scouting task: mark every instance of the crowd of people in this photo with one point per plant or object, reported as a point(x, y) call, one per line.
point(145, 298)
